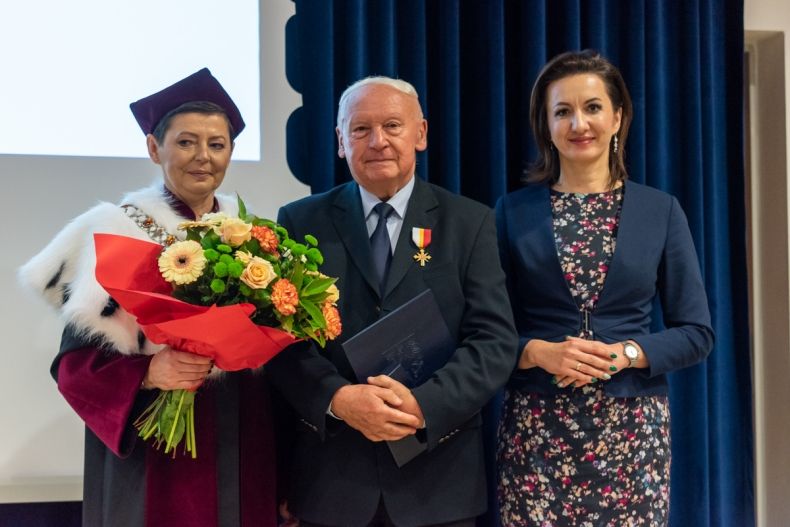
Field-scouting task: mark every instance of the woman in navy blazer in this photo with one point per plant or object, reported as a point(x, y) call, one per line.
point(584, 436)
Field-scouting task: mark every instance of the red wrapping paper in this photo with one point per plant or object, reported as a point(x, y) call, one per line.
point(128, 270)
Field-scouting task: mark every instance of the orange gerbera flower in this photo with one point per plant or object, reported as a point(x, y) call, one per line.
point(285, 297)
point(267, 238)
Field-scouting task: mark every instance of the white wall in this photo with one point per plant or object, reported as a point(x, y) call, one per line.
point(767, 25)
point(772, 15)
point(40, 437)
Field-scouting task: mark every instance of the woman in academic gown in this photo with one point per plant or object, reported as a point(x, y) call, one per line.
point(109, 372)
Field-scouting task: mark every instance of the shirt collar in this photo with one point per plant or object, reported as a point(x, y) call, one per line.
point(399, 201)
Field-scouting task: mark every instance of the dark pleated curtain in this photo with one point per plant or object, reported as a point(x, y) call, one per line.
point(473, 63)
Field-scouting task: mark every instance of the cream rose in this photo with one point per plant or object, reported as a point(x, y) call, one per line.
point(334, 295)
point(258, 274)
point(214, 218)
point(243, 256)
point(234, 231)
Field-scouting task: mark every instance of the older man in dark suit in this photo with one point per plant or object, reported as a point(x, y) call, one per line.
point(342, 472)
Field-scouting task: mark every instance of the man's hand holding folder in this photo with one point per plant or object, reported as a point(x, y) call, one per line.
point(399, 351)
point(381, 410)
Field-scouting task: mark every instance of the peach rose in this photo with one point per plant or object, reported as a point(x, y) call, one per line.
point(333, 325)
point(258, 274)
point(234, 231)
point(285, 297)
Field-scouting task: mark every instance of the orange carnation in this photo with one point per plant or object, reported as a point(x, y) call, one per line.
point(333, 325)
point(266, 238)
point(285, 297)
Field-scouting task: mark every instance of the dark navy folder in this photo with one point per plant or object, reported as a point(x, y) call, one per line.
point(408, 344)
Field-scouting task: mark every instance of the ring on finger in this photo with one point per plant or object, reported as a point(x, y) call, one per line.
point(578, 366)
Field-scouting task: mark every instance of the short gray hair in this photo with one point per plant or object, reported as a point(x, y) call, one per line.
point(399, 84)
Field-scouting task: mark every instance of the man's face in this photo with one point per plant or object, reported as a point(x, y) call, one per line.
point(379, 135)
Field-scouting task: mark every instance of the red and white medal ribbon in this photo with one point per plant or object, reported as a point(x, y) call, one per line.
point(422, 239)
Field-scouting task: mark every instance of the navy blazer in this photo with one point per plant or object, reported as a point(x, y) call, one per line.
point(654, 257)
point(338, 476)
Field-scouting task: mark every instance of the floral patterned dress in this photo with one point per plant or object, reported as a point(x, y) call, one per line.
point(583, 458)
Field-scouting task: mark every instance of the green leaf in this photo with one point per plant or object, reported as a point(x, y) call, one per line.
point(170, 416)
point(297, 276)
point(313, 311)
point(319, 285)
point(251, 246)
point(209, 240)
point(242, 207)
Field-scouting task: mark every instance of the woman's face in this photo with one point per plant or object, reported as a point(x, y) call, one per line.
point(194, 154)
point(581, 118)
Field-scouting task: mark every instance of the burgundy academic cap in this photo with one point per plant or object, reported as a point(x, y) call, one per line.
point(200, 86)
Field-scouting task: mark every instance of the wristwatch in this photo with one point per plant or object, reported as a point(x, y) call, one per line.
point(631, 352)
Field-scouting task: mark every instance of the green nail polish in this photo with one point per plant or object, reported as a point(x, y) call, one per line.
point(573, 384)
point(612, 368)
point(594, 380)
point(613, 356)
point(553, 380)
point(606, 376)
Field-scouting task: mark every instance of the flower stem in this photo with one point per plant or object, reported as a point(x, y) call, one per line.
point(169, 444)
point(192, 430)
point(168, 420)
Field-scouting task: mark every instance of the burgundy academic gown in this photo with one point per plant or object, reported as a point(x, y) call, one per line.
point(128, 483)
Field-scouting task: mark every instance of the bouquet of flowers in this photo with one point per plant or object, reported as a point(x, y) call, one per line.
point(238, 290)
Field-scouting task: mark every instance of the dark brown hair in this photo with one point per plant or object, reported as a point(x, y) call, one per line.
point(202, 107)
point(546, 168)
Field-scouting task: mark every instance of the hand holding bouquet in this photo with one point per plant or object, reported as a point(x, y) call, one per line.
point(237, 290)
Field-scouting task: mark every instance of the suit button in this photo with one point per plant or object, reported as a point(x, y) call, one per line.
point(378, 309)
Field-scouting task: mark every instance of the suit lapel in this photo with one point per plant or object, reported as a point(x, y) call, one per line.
point(422, 212)
point(536, 239)
point(349, 220)
point(629, 235)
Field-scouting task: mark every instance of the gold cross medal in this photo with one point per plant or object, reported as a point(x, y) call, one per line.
point(422, 239)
